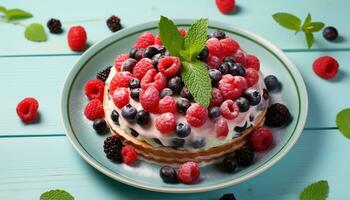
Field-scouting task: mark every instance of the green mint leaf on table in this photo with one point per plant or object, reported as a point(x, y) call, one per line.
point(315, 191)
point(2, 9)
point(309, 39)
point(307, 21)
point(196, 38)
point(196, 77)
point(35, 32)
point(315, 26)
point(288, 21)
point(56, 195)
point(343, 122)
point(170, 36)
point(17, 14)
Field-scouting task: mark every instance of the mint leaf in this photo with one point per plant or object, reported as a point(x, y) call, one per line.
point(309, 39)
point(343, 122)
point(195, 75)
point(315, 26)
point(307, 21)
point(170, 36)
point(35, 32)
point(315, 191)
point(2, 9)
point(288, 21)
point(196, 38)
point(56, 195)
point(17, 14)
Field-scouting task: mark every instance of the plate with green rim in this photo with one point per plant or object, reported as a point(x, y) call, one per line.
point(145, 175)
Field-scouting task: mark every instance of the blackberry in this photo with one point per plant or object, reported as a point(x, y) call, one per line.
point(277, 115)
point(112, 147)
point(244, 156)
point(103, 75)
point(113, 23)
point(330, 33)
point(229, 196)
point(54, 25)
point(229, 164)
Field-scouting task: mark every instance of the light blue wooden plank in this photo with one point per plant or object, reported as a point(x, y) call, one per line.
point(253, 15)
point(35, 165)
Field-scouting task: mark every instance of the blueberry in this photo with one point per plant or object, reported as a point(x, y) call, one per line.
point(134, 133)
point(224, 68)
point(243, 104)
point(240, 129)
point(229, 60)
point(161, 49)
point(182, 105)
point(134, 83)
point(271, 82)
point(183, 130)
point(129, 112)
point(185, 93)
point(237, 70)
point(177, 143)
point(244, 157)
point(115, 117)
point(142, 117)
point(166, 92)
point(168, 174)
point(330, 33)
point(253, 96)
point(214, 112)
point(139, 54)
point(135, 93)
point(175, 84)
point(150, 52)
point(155, 59)
point(215, 76)
point(132, 53)
point(229, 164)
point(203, 55)
point(219, 34)
point(198, 142)
point(129, 64)
point(100, 125)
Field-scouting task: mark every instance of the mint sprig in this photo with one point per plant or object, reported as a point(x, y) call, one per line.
point(292, 22)
point(56, 195)
point(316, 191)
point(193, 72)
point(343, 122)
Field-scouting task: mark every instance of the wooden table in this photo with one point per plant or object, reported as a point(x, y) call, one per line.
point(38, 157)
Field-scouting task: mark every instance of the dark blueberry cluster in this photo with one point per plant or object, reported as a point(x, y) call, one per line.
point(54, 25)
point(277, 115)
point(113, 23)
point(112, 147)
point(103, 75)
point(151, 52)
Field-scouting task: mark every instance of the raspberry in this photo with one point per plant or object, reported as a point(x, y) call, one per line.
point(94, 110)
point(229, 46)
point(182, 32)
point(252, 76)
point(129, 155)
point(120, 79)
point(239, 57)
point(152, 78)
point(119, 61)
point(169, 66)
point(142, 67)
point(121, 97)
point(167, 104)
point(77, 38)
point(213, 61)
point(189, 172)
point(149, 99)
point(214, 47)
point(252, 61)
point(113, 23)
point(277, 115)
point(144, 40)
point(94, 89)
point(221, 128)
point(232, 87)
point(166, 123)
point(158, 41)
point(196, 115)
point(325, 67)
point(54, 25)
point(229, 109)
point(216, 97)
point(261, 139)
point(103, 75)
point(225, 6)
point(27, 109)
point(112, 147)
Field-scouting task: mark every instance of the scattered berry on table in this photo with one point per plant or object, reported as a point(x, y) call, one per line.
point(142, 117)
point(226, 6)
point(215, 76)
point(198, 142)
point(237, 69)
point(129, 155)
point(145, 40)
point(229, 164)
point(213, 61)
point(185, 93)
point(183, 130)
point(330, 33)
point(214, 47)
point(113, 23)
point(149, 99)
point(169, 66)
point(252, 76)
point(167, 104)
point(177, 143)
point(135, 94)
point(224, 68)
point(277, 115)
point(229, 196)
point(203, 55)
point(115, 117)
point(243, 104)
point(166, 92)
point(119, 61)
point(112, 147)
point(229, 109)
point(121, 97)
point(216, 97)
point(94, 110)
point(77, 38)
point(129, 112)
point(175, 84)
point(214, 112)
point(182, 105)
point(150, 52)
point(134, 83)
point(229, 46)
point(100, 125)
point(196, 115)
point(103, 75)
point(141, 68)
point(221, 128)
point(232, 87)
point(253, 96)
point(94, 89)
point(272, 82)
point(166, 123)
point(128, 65)
point(168, 174)
point(261, 139)
point(27, 109)
point(120, 79)
point(189, 172)
point(219, 34)
point(155, 79)
point(252, 61)
point(244, 157)
point(54, 25)
point(326, 67)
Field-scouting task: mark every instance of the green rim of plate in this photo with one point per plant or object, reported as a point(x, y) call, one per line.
point(100, 46)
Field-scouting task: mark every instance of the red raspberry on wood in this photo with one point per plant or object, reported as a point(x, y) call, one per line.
point(326, 67)
point(27, 109)
point(77, 38)
point(226, 6)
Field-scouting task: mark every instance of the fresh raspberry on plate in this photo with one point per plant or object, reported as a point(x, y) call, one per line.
point(189, 172)
point(167, 104)
point(214, 47)
point(149, 99)
point(158, 41)
point(153, 78)
point(252, 76)
point(121, 97)
point(166, 123)
point(27, 109)
point(120, 79)
point(142, 67)
point(226, 6)
point(94, 110)
point(252, 61)
point(144, 40)
point(213, 61)
point(94, 89)
point(169, 66)
point(129, 155)
point(239, 57)
point(232, 87)
point(221, 128)
point(326, 67)
point(261, 139)
point(229, 46)
point(196, 115)
point(216, 97)
point(229, 109)
point(77, 38)
point(119, 60)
